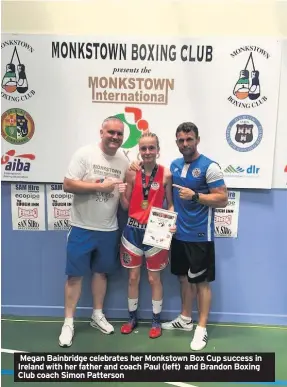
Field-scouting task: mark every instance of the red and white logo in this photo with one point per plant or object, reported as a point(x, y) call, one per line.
point(227, 219)
point(27, 213)
point(16, 164)
point(61, 213)
point(155, 186)
point(12, 153)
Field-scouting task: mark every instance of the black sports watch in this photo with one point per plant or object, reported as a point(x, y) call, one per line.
point(195, 197)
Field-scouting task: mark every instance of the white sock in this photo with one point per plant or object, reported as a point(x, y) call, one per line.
point(69, 321)
point(132, 304)
point(156, 306)
point(202, 330)
point(185, 319)
point(98, 312)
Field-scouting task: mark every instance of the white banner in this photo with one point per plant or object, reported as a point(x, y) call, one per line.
point(280, 161)
point(57, 90)
point(28, 207)
point(226, 219)
point(58, 207)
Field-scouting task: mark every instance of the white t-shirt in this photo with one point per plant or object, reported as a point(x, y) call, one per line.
point(96, 211)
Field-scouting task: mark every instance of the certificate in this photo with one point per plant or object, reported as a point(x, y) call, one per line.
point(157, 232)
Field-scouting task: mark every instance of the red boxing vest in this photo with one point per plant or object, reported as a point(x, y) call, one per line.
point(155, 197)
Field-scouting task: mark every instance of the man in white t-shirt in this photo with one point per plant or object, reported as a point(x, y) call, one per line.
point(95, 177)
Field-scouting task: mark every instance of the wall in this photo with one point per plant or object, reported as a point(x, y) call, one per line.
point(251, 270)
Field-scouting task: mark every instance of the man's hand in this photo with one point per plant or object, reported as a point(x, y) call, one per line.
point(135, 166)
point(184, 193)
point(122, 187)
point(109, 184)
point(173, 229)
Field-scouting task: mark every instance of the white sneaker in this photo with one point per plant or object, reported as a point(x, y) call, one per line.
point(102, 324)
point(66, 336)
point(199, 340)
point(179, 324)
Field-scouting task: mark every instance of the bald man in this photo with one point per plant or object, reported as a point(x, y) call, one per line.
point(94, 176)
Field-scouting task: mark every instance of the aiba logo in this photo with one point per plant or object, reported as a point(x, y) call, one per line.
point(17, 126)
point(247, 89)
point(244, 133)
point(15, 84)
point(16, 163)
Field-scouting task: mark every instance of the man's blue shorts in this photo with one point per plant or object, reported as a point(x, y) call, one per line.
point(92, 251)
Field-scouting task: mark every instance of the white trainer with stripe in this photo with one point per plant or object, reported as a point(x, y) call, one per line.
point(199, 340)
point(179, 324)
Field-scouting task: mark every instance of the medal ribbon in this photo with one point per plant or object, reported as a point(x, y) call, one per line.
point(146, 188)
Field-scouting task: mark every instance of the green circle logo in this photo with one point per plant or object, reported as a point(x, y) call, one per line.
point(136, 129)
point(17, 126)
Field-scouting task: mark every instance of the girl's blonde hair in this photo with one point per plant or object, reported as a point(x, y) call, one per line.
point(152, 135)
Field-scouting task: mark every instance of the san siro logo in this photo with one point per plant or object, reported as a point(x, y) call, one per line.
point(223, 231)
point(28, 224)
point(62, 224)
point(239, 171)
point(17, 162)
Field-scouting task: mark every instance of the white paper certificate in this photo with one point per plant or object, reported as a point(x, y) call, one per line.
point(157, 232)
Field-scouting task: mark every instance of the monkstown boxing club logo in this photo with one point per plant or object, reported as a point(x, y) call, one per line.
point(16, 82)
point(246, 91)
point(135, 126)
point(244, 133)
point(17, 126)
point(16, 165)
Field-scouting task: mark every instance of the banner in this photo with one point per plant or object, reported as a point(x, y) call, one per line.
point(226, 219)
point(28, 207)
point(280, 160)
point(145, 367)
point(58, 207)
point(57, 90)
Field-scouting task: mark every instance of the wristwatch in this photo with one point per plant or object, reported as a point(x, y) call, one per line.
point(195, 197)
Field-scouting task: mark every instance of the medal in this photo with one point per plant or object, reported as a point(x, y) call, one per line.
point(146, 187)
point(144, 204)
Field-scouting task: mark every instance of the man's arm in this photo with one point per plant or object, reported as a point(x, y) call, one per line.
point(168, 189)
point(85, 187)
point(125, 197)
point(73, 181)
point(217, 196)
